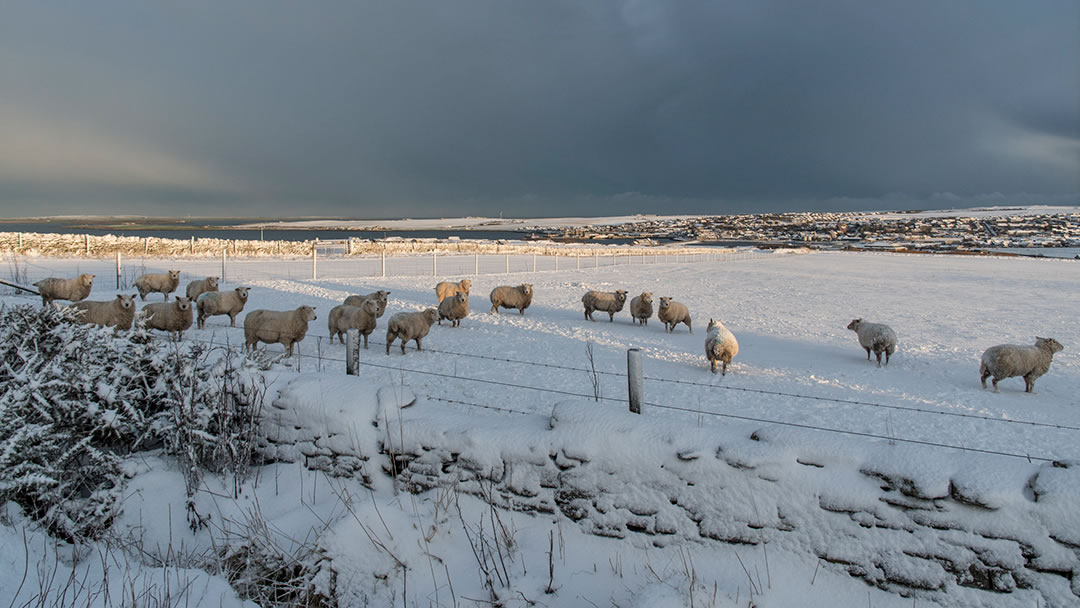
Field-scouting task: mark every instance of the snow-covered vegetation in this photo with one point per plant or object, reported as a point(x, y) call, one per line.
point(499, 466)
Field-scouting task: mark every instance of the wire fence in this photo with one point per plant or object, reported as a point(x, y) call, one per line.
point(562, 391)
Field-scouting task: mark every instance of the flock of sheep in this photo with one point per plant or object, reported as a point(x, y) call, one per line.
point(361, 312)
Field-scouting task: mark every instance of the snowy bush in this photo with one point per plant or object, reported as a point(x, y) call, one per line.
point(76, 399)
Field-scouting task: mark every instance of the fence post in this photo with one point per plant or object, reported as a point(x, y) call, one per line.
point(223, 265)
point(20, 240)
point(508, 263)
point(534, 263)
point(119, 268)
point(434, 264)
point(192, 250)
point(556, 262)
point(595, 261)
point(348, 246)
point(635, 389)
point(86, 243)
point(476, 264)
point(314, 261)
point(382, 259)
point(352, 352)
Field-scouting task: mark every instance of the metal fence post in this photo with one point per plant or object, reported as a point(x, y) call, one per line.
point(119, 269)
point(314, 261)
point(223, 265)
point(508, 263)
point(434, 264)
point(86, 243)
point(534, 263)
point(476, 264)
point(382, 258)
point(556, 262)
point(352, 352)
point(192, 249)
point(635, 388)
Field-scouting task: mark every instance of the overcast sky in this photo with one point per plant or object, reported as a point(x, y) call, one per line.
point(535, 108)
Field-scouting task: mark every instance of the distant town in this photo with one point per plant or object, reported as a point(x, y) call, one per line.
point(890, 231)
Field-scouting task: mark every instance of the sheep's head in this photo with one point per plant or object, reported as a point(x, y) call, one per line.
point(87, 279)
point(211, 282)
point(620, 295)
point(372, 307)
point(183, 303)
point(854, 325)
point(1049, 343)
point(465, 285)
point(431, 316)
point(461, 297)
point(712, 324)
point(646, 297)
point(526, 288)
point(242, 293)
point(306, 313)
point(126, 302)
point(174, 275)
point(664, 302)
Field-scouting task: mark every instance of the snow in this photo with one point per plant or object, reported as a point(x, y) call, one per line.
point(797, 365)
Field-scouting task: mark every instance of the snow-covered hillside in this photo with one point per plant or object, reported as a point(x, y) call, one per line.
point(800, 381)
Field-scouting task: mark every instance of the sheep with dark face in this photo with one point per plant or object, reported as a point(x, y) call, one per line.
point(172, 316)
point(876, 337)
point(410, 326)
point(342, 318)
point(72, 290)
point(164, 283)
point(672, 313)
point(272, 326)
point(506, 296)
point(610, 302)
point(118, 313)
point(1011, 360)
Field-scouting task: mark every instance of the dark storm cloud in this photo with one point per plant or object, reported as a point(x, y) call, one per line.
point(536, 108)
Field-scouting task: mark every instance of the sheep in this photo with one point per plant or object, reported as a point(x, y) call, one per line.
point(1010, 360)
point(72, 290)
point(342, 318)
point(118, 313)
point(410, 326)
point(876, 337)
point(641, 308)
point(166, 316)
point(271, 326)
point(161, 283)
point(380, 296)
point(197, 288)
point(720, 345)
point(222, 303)
point(455, 308)
point(446, 289)
point(672, 313)
point(610, 302)
point(505, 296)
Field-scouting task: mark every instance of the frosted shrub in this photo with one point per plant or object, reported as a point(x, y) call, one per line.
point(75, 400)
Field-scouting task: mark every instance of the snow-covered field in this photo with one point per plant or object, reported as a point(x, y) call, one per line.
point(799, 373)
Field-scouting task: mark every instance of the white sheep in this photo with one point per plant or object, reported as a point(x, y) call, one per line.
point(380, 296)
point(222, 303)
point(271, 326)
point(72, 290)
point(455, 308)
point(197, 288)
point(118, 313)
point(165, 283)
point(672, 313)
point(1010, 360)
point(342, 318)
point(610, 302)
point(641, 308)
point(876, 337)
point(410, 326)
point(506, 296)
point(720, 345)
point(172, 316)
point(446, 289)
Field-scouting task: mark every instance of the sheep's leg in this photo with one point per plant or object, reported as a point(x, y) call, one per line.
point(724, 372)
point(995, 381)
point(493, 311)
point(521, 311)
point(984, 373)
point(689, 327)
point(877, 353)
point(418, 348)
point(867, 352)
point(1029, 384)
point(611, 317)
point(232, 319)
point(887, 353)
point(365, 341)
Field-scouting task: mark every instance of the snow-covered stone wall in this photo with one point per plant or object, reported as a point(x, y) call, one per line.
point(911, 519)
